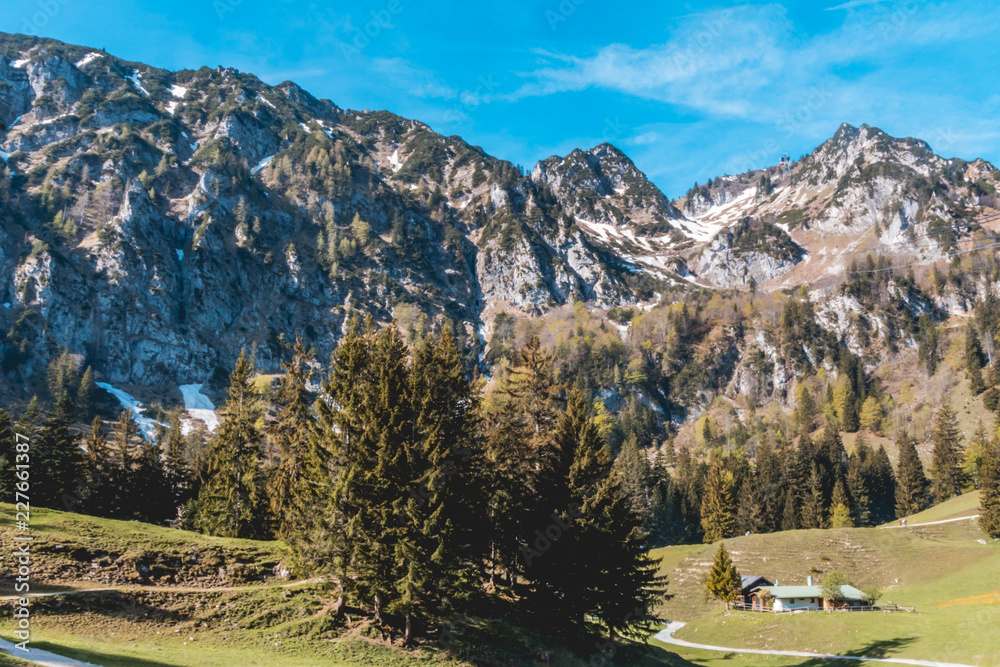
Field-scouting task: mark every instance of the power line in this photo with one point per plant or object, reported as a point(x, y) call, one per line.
point(947, 255)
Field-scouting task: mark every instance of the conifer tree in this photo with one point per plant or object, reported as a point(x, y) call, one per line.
point(176, 475)
point(7, 456)
point(290, 442)
point(812, 512)
point(789, 515)
point(974, 360)
point(634, 472)
point(63, 377)
point(231, 502)
point(858, 488)
point(840, 512)
point(86, 395)
point(911, 482)
point(718, 504)
point(723, 581)
point(805, 411)
point(989, 491)
point(946, 462)
point(444, 507)
point(58, 458)
point(880, 482)
point(99, 496)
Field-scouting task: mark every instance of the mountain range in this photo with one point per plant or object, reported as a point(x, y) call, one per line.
point(155, 222)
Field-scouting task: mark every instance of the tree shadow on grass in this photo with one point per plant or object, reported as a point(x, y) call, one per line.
point(882, 648)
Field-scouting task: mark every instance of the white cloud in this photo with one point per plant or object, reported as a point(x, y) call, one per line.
point(856, 3)
point(417, 81)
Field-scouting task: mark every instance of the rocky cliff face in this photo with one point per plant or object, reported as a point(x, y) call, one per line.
point(748, 252)
point(155, 222)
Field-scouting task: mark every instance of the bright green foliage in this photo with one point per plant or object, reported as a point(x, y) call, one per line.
point(718, 505)
point(723, 581)
point(831, 584)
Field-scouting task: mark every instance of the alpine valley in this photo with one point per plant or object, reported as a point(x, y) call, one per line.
point(322, 386)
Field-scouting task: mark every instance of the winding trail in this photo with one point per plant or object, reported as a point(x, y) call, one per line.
point(932, 523)
point(40, 657)
point(667, 637)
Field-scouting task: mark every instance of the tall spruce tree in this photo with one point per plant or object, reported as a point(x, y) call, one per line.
point(946, 461)
point(86, 394)
point(231, 503)
point(58, 457)
point(911, 482)
point(718, 504)
point(974, 359)
point(289, 438)
point(7, 456)
point(723, 581)
point(989, 490)
point(812, 512)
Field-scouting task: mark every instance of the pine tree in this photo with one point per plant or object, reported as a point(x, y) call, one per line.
point(99, 496)
point(880, 482)
point(8, 456)
point(789, 515)
point(946, 463)
point(812, 513)
point(805, 411)
point(63, 377)
point(723, 581)
point(911, 482)
point(445, 506)
point(290, 442)
point(176, 475)
point(718, 504)
point(858, 488)
point(974, 360)
point(231, 502)
point(840, 513)
point(58, 458)
point(989, 491)
point(634, 473)
point(86, 395)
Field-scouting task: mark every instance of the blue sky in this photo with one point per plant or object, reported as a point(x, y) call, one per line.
point(688, 90)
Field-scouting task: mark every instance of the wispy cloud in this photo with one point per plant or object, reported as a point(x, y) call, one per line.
point(856, 3)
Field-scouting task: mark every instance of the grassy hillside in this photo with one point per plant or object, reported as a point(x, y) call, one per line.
point(944, 571)
point(183, 613)
point(966, 504)
point(75, 550)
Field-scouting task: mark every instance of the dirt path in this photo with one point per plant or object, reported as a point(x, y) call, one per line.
point(932, 523)
point(164, 589)
point(43, 658)
point(667, 636)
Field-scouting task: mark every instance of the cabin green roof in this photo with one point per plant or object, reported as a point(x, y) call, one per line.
point(788, 592)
